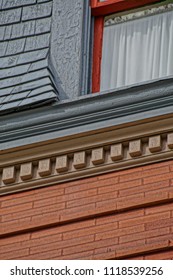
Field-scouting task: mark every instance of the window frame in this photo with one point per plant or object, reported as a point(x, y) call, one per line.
point(99, 10)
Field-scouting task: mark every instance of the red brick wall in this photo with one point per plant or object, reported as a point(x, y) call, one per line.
point(121, 215)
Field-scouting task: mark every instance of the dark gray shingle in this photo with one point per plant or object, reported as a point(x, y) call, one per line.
point(10, 16)
point(25, 77)
point(6, 4)
point(37, 11)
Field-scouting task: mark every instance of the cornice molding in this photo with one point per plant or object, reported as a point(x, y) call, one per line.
point(88, 136)
point(88, 114)
point(71, 159)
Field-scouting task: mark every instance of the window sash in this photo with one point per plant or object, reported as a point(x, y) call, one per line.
point(132, 55)
point(99, 10)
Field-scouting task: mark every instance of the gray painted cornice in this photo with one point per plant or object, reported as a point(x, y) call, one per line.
point(122, 107)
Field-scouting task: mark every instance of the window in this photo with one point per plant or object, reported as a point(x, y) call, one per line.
point(131, 46)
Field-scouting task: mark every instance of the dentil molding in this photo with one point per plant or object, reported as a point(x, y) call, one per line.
point(87, 156)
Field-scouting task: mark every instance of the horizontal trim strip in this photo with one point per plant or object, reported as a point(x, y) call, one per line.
point(92, 160)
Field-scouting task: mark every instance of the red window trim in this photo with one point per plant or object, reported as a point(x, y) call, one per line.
point(99, 10)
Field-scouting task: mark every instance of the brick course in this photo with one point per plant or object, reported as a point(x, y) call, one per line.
point(121, 215)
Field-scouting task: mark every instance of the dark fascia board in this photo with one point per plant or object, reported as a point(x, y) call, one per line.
point(88, 113)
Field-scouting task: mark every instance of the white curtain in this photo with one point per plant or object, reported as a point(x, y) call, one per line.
point(137, 51)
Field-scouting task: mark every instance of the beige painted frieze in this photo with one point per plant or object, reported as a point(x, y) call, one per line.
point(85, 162)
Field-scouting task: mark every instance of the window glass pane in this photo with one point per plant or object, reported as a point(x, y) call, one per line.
point(137, 51)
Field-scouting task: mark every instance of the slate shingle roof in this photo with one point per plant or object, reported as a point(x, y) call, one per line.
point(25, 75)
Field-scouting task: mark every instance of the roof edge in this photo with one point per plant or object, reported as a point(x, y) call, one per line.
point(88, 113)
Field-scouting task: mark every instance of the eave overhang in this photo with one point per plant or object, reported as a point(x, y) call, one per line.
point(121, 107)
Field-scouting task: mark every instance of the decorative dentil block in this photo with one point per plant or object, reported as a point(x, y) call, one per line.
point(155, 144)
point(135, 148)
point(79, 160)
point(26, 171)
point(116, 152)
point(8, 175)
point(61, 163)
point(170, 140)
point(44, 167)
point(97, 156)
